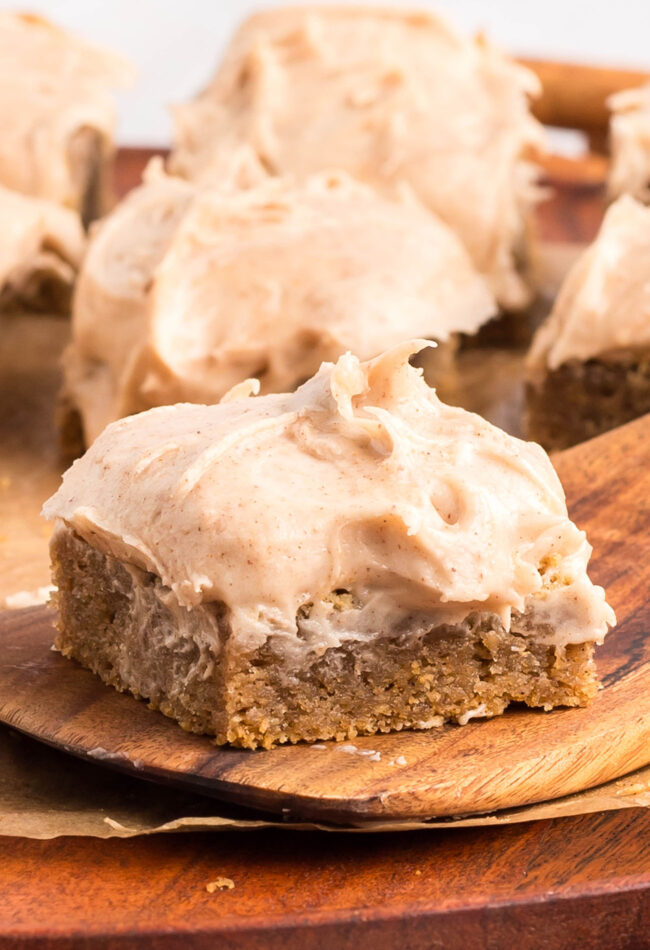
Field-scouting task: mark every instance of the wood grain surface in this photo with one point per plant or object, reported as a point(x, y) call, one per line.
point(568, 884)
point(574, 882)
point(521, 757)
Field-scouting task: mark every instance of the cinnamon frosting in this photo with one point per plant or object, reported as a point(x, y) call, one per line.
point(629, 171)
point(603, 308)
point(52, 87)
point(361, 481)
point(38, 239)
point(390, 97)
point(186, 290)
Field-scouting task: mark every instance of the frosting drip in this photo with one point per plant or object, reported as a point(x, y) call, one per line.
point(360, 482)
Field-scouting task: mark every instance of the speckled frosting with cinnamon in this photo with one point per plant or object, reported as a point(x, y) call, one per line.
point(390, 97)
point(187, 290)
point(361, 480)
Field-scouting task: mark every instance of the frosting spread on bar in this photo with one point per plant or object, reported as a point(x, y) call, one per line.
point(53, 86)
point(359, 487)
point(187, 291)
point(603, 307)
point(37, 238)
point(389, 97)
point(629, 170)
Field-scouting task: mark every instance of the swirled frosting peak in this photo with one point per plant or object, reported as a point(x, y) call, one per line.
point(360, 481)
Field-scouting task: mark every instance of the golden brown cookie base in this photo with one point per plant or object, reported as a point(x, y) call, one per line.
point(113, 621)
point(581, 400)
point(509, 329)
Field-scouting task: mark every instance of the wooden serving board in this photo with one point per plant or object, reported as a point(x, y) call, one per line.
point(559, 884)
point(511, 760)
point(570, 884)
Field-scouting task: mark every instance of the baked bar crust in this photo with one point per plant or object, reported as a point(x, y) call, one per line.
point(121, 623)
point(580, 400)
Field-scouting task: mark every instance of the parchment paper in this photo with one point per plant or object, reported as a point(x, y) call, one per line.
point(47, 794)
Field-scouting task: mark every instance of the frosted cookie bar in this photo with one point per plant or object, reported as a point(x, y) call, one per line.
point(57, 114)
point(629, 140)
point(391, 97)
point(352, 558)
point(41, 246)
point(588, 368)
point(186, 291)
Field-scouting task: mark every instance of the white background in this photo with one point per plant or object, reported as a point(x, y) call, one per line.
point(176, 43)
